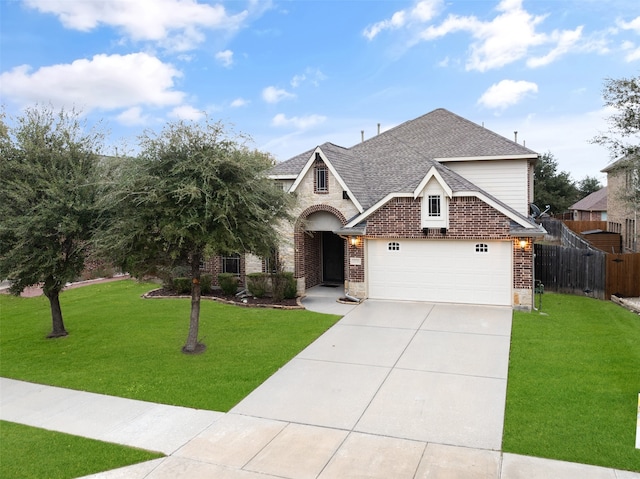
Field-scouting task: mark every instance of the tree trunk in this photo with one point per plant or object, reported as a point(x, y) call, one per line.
point(193, 346)
point(58, 330)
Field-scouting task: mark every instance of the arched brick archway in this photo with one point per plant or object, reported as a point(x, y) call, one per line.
point(309, 244)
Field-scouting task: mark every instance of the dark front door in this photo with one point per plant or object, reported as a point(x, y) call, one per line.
point(332, 258)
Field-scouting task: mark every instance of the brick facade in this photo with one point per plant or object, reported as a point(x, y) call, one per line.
point(469, 218)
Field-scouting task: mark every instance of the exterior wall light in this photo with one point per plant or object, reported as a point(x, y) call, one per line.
point(523, 244)
point(355, 240)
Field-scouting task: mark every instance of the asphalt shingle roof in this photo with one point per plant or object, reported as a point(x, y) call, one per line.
point(398, 159)
point(596, 201)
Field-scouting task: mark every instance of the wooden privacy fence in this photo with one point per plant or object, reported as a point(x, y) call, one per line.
point(571, 270)
point(587, 271)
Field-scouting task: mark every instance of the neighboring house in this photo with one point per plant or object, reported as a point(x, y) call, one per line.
point(435, 209)
point(592, 207)
point(620, 212)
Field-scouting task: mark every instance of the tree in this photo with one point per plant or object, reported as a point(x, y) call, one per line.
point(588, 185)
point(47, 201)
point(623, 138)
point(552, 188)
point(194, 190)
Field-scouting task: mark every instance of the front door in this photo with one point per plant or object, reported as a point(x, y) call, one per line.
point(332, 258)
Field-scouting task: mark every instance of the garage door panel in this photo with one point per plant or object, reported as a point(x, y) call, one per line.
point(440, 271)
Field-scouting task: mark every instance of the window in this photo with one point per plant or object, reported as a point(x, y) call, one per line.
point(270, 263)
point(231, 264)
point(321, 182)
point(482, 248)
point(393, 246)
point(434, 206)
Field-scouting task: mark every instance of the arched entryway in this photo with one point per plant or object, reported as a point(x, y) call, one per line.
point(320, 254)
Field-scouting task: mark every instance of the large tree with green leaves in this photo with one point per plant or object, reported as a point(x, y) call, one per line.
point(48, 174)
point(623, 138)
point(551, 187)
point(194, 189)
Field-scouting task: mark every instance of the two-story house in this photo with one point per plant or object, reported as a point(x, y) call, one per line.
point(435, 209)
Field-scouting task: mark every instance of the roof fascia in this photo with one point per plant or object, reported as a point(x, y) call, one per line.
point(333, 171)
point(432, 173)
point(529, 156)
point(505, 211)
point(290, 176)
point(365, 214)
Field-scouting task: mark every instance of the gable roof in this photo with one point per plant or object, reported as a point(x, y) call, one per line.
point(397, 161)
point(596, 201)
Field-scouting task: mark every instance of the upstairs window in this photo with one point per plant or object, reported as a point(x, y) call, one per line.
point(321, 176)
point(434, 206)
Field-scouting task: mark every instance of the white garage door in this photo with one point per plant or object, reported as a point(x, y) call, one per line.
point(476, 272)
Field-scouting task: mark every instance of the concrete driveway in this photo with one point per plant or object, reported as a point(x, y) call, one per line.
point(433, 373)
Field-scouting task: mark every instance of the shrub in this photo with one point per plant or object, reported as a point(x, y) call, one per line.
point(205, 283)
point(182, 285)
point(290, 286)
point(284, 286)
point(228, 283)
point(257, 284)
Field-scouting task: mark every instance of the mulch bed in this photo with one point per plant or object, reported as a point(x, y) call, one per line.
point(218, 295)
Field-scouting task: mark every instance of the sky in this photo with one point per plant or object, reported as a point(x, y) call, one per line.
point(295, 74)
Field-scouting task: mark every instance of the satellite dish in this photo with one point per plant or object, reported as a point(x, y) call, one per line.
point(535, 211)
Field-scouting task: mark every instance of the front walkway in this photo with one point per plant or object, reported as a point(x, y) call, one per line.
point(393, 390)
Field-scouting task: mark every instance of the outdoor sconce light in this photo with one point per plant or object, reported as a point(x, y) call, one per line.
point(523, 244)
point(355, 240)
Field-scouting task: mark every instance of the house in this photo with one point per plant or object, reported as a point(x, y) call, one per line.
point(435, 209)
point(592, 207)
point(621, 214)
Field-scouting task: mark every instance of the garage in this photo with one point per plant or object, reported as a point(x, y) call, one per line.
point(475, 272)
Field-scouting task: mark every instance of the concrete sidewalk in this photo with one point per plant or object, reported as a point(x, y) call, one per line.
point(393, 390)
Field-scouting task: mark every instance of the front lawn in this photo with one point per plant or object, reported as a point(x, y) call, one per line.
point(31, 453)
point(574, 379)
point(123, 345)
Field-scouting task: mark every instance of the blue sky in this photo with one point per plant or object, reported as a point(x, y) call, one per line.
point(294, 74)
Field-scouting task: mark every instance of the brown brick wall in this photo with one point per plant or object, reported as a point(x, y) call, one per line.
point(469, 218)
point(522, 264)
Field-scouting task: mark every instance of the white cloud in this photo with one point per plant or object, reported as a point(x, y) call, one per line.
point(104, 82)
point(272, 94)
point(565, 42)
point(301, 123)
point(187, 112)
point(506, 93)
point(239, 102)
point(225, 58)
point(422, 12)
point(133, 117)
point(632, 25)
point(513, 34)
point(310, 75)
point(175, 24)
point(633, 52)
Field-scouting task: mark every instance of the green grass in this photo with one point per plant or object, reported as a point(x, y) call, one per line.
point(574, 379)
point(31, 453)
point(122, 345)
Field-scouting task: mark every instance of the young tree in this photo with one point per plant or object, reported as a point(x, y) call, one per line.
point(552, 188)
point(588, 185)
point(623, 138)
point(48, 165)
point(193, 190)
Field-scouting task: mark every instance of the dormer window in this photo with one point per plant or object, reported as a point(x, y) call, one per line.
point(320, 176)
point(434, 206)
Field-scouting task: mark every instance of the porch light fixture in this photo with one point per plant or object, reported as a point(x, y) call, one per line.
point(523, 244)
point(355, 240)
